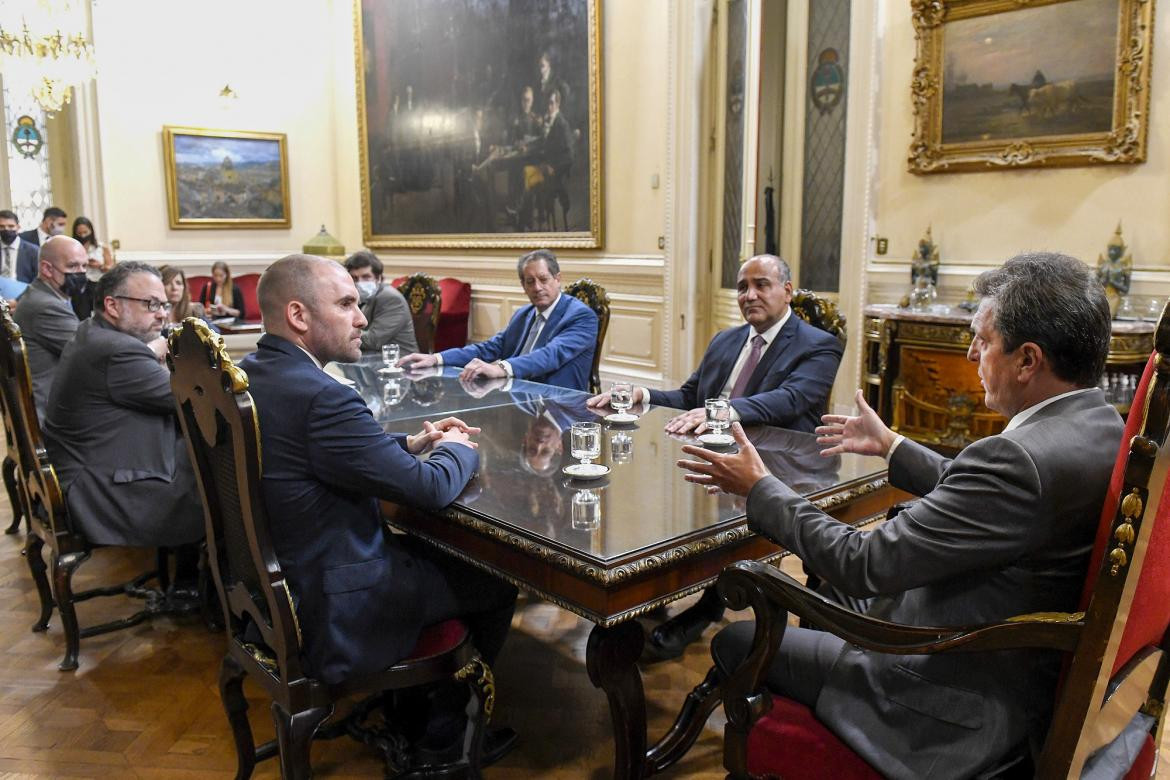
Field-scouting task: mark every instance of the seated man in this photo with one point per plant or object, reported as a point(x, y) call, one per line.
point(18, 257)
point(363, 594)
point(45, 316)
point(552, 340)
point(110, 424)
point(1004, 529)
point(776, 369)
point(383, 306)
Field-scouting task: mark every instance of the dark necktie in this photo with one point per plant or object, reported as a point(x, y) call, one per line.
point(6, 267)
point(749, 366)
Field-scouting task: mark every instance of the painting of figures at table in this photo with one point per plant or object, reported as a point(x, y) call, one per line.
point(480, 122)
point(1028, 73)
point(226, 179)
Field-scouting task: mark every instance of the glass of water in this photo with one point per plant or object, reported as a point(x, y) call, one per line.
point(718, 414)
point(621, 396)
point(389, 357)
point(585, 441)
point(586, 510)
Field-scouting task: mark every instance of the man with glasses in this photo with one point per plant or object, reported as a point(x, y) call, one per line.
point(45, 316)
point(111, 429)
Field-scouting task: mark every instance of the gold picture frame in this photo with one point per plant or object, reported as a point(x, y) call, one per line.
point(978, 108)
point(220, 179)
point(443, 163)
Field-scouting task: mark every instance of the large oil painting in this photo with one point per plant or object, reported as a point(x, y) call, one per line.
point(480, 122)
point(226, 178)
point(1042, 83)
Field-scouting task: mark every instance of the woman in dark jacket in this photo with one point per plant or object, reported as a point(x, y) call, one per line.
point(221, 297)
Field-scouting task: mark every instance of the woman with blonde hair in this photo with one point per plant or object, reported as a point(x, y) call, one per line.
point(221, 296)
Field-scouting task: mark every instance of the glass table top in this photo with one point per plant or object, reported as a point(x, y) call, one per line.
point(525, 445)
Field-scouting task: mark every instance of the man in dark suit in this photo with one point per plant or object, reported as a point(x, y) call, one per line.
point(1004, 529)
point(45, 316)
point(18, 258)
point(776, 369)
point(110, 422)
point(52, 224)
point(363, 594)
point(552, 340)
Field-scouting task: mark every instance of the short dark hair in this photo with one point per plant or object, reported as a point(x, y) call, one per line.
point(113, 281)
point(364, 258)
point(1056, 302)
point(550, 261)
point(56, 212)
point(6, 214)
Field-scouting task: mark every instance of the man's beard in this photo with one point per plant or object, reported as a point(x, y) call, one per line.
point(145, 335)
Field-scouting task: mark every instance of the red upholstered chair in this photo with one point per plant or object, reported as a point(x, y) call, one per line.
point(264, 636)
point(1117, 662)
point(247, 284)
point(195, 284)
point(454, 313)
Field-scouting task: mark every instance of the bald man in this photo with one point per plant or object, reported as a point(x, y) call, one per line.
point(363, 594)
point(45, 316)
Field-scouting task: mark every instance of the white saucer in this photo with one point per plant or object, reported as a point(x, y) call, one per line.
point(717, 439)
point(621, 418)
point(585, 470)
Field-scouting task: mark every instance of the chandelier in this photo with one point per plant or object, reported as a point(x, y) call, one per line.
point(47, 51)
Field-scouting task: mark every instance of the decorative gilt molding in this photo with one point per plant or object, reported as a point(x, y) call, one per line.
point(934, 335)
point(1125, 143)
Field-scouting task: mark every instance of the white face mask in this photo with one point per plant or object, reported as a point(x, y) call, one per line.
point(366, 290)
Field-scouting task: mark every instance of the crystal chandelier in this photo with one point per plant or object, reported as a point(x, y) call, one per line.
point(45, 47)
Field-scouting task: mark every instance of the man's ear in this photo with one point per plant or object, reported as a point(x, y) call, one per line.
point(1030, 357)
point(297, 315)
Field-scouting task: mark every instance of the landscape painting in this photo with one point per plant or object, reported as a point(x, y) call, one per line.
point(479, 122)
point(1039, 71)
point(1043, 83)
point(226, 179)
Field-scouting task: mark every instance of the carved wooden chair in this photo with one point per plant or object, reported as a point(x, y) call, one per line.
point(43, 504)
point(264, 635)
point(425, 298)
point(596, 298)
point(820, 313)
point(1117, 664)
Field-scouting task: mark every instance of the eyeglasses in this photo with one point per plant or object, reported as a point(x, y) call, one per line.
point(151, 304)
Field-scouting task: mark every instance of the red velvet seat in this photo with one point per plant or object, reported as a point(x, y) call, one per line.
point(247, 284)
point(195, 285)
point(454, 313)
point(1126, 613)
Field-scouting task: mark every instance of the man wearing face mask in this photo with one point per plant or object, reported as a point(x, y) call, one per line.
point(45, 317)
point(18, 258)
point(384, 307)
point(52, 224)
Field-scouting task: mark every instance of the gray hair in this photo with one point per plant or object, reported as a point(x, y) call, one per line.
point(113, 282)
point(550, 261)
point(1054, 301)
point(783, 272)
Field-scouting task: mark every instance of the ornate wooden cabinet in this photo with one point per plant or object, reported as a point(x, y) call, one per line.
point(917, 376)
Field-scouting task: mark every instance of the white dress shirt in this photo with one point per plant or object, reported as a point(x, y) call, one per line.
point(769, 336)
point(9, 253)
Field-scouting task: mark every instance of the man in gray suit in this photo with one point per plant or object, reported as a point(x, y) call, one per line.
point(384, 307)
point(1003, 529)
point(45, 316)
point(110, 425)
point(18, 258)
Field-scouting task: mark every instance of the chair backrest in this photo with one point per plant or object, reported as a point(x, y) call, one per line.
point(223, 438)
point(36, 479)
point(596, 298)
point(248, 284)
point(820, 313)
point(425, 299)
point(456, 311)
point(1122, 660)
point(195, 285)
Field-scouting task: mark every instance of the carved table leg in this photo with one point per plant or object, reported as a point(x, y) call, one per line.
point(611, 658)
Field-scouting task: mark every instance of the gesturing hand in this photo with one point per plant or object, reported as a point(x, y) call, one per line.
point(734, 473)
point(864, 434)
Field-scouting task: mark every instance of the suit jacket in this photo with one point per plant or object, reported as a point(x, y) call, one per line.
point(557, 147)
point(111, 431)
point(789, 387)
point(31, 237)
point(389, 321)
point(48, 323)
point(27, 260)
point(326, 462)
point(1004, 529)
point(562, 354)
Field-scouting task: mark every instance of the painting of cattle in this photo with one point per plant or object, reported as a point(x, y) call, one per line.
point(1050, 82)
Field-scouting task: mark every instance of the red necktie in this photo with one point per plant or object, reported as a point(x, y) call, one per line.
point(749, 366)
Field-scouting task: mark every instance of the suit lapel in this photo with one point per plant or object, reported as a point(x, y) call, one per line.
point(554, 319)
point(725, 362)
point(526, 316)
point(778, 345)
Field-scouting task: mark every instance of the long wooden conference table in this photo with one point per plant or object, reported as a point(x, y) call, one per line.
point(655, 539)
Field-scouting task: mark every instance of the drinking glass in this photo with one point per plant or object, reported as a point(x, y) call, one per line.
point(586, 510)
point(389, 357)
point(1153, 309)
point(621, 447)
point(621, 396)
point(585, 441)
point(718, 414)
